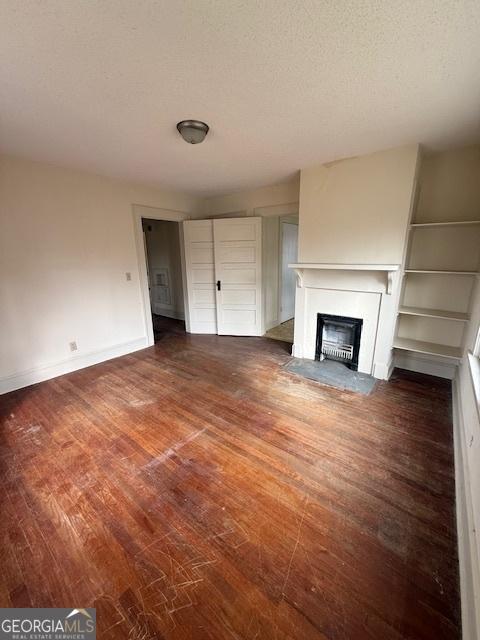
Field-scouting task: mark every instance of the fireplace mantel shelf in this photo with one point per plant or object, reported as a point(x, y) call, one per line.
point(300, 267)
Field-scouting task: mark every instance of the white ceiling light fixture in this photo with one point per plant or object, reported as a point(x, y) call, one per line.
point(193, 131)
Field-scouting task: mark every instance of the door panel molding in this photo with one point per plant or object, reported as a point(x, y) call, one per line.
point(200, 276)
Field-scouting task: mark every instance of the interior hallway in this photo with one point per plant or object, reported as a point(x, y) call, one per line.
point(197, 490)
point(163, 327)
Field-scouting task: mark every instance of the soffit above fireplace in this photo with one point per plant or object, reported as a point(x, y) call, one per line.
point(300, 267)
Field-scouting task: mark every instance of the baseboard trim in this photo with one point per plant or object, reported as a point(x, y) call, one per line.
point(46, 372)
point(467, 544)
point(297, 351)
point(423, 364)
point(391, 367)
point(382, 370)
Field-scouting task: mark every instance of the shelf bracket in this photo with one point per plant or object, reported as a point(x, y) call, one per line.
point(299, 273)
point(389, 283)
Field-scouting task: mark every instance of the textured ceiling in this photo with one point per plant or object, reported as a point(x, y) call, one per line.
point(100, 84)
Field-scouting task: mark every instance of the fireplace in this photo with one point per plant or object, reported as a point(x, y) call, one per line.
point(338, 338)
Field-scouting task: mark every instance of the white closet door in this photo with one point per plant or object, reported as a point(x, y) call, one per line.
point(200, 275)
point(238, 275)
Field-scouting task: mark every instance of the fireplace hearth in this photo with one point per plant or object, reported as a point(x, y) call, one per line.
point(338, 338)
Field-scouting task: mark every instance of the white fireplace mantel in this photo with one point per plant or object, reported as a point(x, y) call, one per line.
point(301, 267)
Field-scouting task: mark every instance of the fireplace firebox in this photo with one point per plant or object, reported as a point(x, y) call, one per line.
point(338, 338)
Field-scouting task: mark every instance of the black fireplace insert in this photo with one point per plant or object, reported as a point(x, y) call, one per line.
point(338, 338)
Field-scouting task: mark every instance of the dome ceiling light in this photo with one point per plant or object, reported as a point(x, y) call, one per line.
point(193, 131)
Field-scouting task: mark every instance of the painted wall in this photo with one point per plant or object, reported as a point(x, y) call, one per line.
point(450, 185)
point(163, 250)
point(356, 210)
point(280, 199)
point(66, 244)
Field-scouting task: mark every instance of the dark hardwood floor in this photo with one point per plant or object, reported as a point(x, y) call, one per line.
point(164, 327)
point(195, 490)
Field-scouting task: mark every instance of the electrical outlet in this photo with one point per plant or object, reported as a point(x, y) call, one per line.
point(128, 275)
point(73, 346)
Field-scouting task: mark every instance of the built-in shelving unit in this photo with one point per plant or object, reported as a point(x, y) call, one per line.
point(441, 267)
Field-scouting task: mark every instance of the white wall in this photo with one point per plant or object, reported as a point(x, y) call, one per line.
point(280, 199)
point(450, 185)
point(356, 210)
point(163, 252)
point(66, 244)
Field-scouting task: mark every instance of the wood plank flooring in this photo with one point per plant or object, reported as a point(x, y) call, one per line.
point(195, 490)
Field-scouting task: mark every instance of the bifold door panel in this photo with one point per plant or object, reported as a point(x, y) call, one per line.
point(238, 263)
point(224, 280)
point(200, 272)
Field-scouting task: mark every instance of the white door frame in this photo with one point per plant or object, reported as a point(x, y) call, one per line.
point(153, 213)
point(282, 220)
point(292, 219)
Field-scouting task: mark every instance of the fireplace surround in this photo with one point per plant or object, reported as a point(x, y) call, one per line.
point(369, 292)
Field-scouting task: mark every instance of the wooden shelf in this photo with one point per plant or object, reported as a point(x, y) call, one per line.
point(459, 223)
point(434, 313)
point(428, 348)
point(442, 272)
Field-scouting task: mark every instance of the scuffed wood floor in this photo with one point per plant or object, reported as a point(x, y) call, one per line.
point(195, 490)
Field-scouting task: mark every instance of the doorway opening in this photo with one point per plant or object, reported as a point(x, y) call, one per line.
point(281, 241)
point(164, 273)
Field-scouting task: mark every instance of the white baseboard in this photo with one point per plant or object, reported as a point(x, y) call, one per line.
point(297, 351)
point(467, 543)
point(391, 367)
point(383, 370)
point(423, 364)
point(46, 372)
